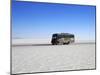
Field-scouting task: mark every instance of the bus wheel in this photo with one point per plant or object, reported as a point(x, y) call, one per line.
point(52, 43)
point(64, 43)
point(68, 42)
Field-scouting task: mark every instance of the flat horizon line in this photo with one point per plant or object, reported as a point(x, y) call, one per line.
point(49, 44)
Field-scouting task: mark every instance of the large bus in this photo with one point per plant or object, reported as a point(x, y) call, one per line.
point(62, 38)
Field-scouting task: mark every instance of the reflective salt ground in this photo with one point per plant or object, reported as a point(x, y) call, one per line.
point(45, 58)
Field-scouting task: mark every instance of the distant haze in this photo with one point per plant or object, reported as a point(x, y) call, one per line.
point(40, 20)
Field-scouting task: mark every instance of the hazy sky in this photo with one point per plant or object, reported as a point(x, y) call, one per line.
point(41, 20)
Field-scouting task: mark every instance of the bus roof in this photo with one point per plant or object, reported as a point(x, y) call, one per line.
point(63, 34)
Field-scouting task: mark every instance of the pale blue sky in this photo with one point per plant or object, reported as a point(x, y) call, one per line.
point(41, 20)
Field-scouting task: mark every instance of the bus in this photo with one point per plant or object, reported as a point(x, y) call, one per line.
point(62, 38)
